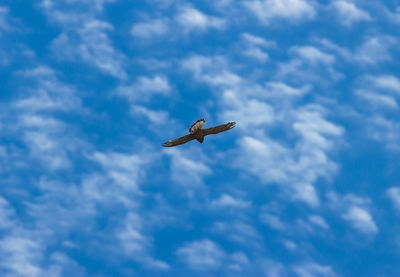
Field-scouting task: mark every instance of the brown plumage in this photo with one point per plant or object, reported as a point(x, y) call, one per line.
point(196, 132)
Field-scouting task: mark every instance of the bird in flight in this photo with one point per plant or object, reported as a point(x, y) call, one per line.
point(196, 132)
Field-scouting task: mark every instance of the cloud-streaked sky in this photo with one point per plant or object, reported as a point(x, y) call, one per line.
point(306, 185)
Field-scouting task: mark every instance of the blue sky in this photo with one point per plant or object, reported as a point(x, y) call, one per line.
point(305, 185)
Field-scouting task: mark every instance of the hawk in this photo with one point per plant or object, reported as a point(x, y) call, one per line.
point(196, 132)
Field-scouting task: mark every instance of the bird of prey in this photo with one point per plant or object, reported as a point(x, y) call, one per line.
point(196, 132)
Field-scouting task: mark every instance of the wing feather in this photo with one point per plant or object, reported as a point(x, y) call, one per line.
point(178, 141)
point(219, 128)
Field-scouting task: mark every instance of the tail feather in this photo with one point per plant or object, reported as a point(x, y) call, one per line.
point(196, 126)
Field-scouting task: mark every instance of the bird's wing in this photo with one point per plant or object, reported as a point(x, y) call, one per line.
point(178, 141)
point(219, 128)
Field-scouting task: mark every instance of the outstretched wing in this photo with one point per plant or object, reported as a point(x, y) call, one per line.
point(219, 128)
point(178, 141)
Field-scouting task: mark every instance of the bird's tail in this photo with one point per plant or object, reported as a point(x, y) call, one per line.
point(196, 126)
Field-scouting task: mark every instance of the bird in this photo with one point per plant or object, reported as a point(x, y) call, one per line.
point(196, 132)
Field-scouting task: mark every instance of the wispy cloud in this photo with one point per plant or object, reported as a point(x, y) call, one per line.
point(192, 19)
point(274, 162)
point(377, 99)
point(187, 171)
point(137, 244)
point(361, 220)
point(6, 214)
point(20, 255)
point(84, 37)
point(144, 88)
point(201, 255)
point(273, 221)
point(349, 13)
point(385, 82)
point(226, 201)
point(354, 209)
point(40, 129)
point(318, 221)
point(150, 28)
point(371, 50)
point(211, 70)
point(304, 61)
point(394, 195)
point(90, 43)
point(255, 45)
point(4, 20)
point(313, 270)
point(269, 10)
point(238, 231)
point(375, 49)
point(260, 155)
point(312, 54)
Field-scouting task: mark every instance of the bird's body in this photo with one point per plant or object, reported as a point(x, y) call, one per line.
point(196, 132)
point(199, 136)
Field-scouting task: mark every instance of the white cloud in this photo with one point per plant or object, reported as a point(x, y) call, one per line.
point(238, 231)
point(4, 20)
point(394, 16)
point(250, 113)
point(143, 90)
point(290, 245)
point(136, 244)
point(150, 29)
point(313, 127)
point(84, 37)
point(293, 10)
point(201, 255)
point(156, 117)
point(48, 93)
point(254, 45)
point(7, 213)
point(261, 158)
point(280, 89)
point(123, 169)
point(193, 19)
point(312, 54)
point(257, 41)
point(186, 170)
point(306, 193)
point(361, 220)
point(145, 87)
point(211, 70)
point(313, 270)
point(377, 99)
point(20, 255)
point(384, 130)
point(385, 82)
point(272, 268)
point(43, 99)
point(348, 13)
point(239, 261)
point(305, 61)
point(47, 148)
point(227, 200)
point(273, 221)
point(375, 49)
point(257, 54)
point(372, 50)
point(96, 48)
point(318, 221)
point(354, 210)
point(394, 195)
point(300, 166)
point(296, 167)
